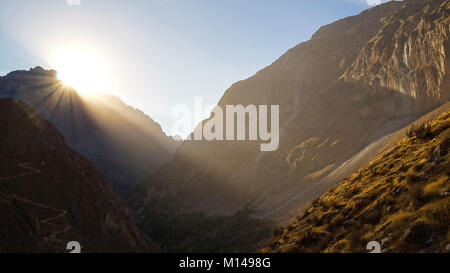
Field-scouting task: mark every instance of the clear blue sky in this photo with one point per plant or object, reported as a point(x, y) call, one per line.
point(163, 53)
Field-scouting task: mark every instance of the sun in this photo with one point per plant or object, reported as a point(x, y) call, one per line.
point(81, 68)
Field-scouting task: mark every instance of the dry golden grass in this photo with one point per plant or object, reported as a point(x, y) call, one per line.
point(401, 199)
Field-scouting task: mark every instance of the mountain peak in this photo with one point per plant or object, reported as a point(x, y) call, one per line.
point(340, 94)
point(126, 144)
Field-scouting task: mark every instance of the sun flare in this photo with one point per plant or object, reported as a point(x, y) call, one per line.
point(81, 68)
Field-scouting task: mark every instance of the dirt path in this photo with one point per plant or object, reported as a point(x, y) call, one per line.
point(24, 166)
point(60, 213)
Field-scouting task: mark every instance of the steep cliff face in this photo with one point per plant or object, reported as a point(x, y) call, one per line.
point(409, 53)
point(327, 116)
point(51, 195)
point(124, 143)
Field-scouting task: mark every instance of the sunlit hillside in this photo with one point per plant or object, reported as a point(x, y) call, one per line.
point(401, 200)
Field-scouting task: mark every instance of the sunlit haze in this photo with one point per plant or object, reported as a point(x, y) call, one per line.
point(81, 68)
point(276, 127)
point(158, 54)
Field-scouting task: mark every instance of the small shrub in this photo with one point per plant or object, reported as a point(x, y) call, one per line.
point(403, 168)
point(417, 193)
point(413, 177)
point(278, 231)
point(422, 131)
point(310, 237)
point(336, 222)
point(351, 192)
point(305, 214)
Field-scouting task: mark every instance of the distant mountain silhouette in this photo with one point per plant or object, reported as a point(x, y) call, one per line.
point(51, 195)
point(124, 143)
point(355, 81)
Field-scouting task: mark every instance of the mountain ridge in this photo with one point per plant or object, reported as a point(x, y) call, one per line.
point(325, 119)
point(125, 144)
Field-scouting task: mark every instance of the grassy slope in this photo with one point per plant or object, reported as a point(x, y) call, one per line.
point(401, 199)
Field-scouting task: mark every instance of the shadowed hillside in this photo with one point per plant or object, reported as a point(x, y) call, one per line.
point(51, 195)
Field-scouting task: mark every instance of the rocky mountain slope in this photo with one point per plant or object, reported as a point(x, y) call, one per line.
point(124, 143)
point(355, 81)
point(51, 195)
point(401, 199)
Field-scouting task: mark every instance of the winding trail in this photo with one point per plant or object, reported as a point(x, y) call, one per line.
point(24, 166)
point(49, 221)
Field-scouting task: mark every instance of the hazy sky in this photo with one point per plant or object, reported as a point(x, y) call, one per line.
point(161, 53)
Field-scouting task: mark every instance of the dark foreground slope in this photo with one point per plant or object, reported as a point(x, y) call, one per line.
point(401, 199)
point(356, 81)
point(50, 194)
point(125, 144)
